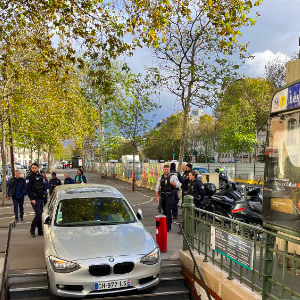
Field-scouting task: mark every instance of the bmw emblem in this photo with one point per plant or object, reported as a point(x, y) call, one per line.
point(111, 259)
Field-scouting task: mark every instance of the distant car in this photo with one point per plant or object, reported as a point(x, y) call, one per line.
point(96, 245)
point(200, 170)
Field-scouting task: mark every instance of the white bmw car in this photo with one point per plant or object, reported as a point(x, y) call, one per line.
point(95, 244)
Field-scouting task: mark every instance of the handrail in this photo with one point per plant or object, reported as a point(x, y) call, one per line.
point(193, 257)
point(11, 225)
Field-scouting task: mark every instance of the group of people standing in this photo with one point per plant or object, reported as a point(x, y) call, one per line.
point(36, 186)
point(168, 186)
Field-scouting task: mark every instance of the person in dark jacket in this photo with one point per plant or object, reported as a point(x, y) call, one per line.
point(16, 191)
point(68, 180)
point(54, 182)
point(79, 178)
point(176, 197)
point(36, 191)
point(186, 179)
point(196, 189)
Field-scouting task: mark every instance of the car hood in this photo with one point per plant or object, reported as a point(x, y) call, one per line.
point(77, 243)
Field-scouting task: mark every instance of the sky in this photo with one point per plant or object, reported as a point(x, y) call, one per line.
point(276, 32)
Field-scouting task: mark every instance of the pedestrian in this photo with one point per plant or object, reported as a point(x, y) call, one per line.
point(176, 196)
point(36, 191)
point(196, 189)
point(182, 169)
point(165, 188)
point(68, 180)
point(79, 178)
point(54, 182)
point(47, 185)
point(16, 190)
point(184, 187)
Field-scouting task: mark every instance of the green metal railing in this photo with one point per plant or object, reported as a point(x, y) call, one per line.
point(275, 272)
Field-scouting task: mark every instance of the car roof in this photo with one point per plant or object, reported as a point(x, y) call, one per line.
point(69, 191)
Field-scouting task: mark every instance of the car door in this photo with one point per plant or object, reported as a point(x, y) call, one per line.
point(49, 212)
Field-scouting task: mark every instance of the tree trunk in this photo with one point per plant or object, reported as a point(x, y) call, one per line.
point(134, 147)
point(101, 129)
point(133, 173)
point(39, 152)
point(12, 159)
point(31, 155)
point(183, 136)
point(49, 159)
point(3, 154)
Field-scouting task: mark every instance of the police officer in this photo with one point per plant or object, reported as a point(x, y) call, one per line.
point(53, 182)
point(166, 186)
point(186, 179)
point(196, 189)
point(36, 190)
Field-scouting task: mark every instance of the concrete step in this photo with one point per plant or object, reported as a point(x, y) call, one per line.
point(171, 279)
point(28, 290)
point(161, 293)
point(31, 275)
point(171, 266)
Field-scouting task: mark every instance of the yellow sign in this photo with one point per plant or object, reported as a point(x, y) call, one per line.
point(282, 101)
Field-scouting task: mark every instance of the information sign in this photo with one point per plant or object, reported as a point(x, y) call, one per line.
point(233, 247)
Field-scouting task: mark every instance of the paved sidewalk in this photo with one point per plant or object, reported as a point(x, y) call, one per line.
point(28, 253)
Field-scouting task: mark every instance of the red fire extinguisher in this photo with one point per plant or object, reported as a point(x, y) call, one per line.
point(161, 233)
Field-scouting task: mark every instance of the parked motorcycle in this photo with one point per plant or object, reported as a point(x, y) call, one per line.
point(248, 210)
point(218, 204)
point(232, 191)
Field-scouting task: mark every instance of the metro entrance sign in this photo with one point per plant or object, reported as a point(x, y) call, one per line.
point(286, 99)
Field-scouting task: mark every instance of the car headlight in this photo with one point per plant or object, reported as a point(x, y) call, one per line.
point(151, 258)
point(63, 266)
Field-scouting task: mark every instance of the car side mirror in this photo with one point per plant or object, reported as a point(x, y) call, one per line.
point(139, 214)
point(47, 220)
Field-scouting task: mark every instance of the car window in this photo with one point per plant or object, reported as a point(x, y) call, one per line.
point(201, 170)
point(93, 211)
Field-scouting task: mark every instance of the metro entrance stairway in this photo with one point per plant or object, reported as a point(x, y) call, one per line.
point(32, 284)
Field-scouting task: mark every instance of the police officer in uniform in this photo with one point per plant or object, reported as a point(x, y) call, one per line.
point(166, 186)
point(36, 190)
point(196, 189)
point(186, 179)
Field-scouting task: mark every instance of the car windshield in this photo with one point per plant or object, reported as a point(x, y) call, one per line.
point(93, 211)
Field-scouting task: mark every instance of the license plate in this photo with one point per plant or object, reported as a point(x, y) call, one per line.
point(108, 285)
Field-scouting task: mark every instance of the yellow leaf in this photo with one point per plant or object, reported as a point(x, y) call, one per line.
point(210, 3)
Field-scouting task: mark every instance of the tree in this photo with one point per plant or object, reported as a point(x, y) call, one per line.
point(99, 26)
point(275, 70)
point(208, 133)
point(132, 116)
point(162, 143)
point(194, 55)
point(121, 148)
point(244, 112)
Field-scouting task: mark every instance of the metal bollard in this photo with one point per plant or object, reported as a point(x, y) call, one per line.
point(161, 233)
